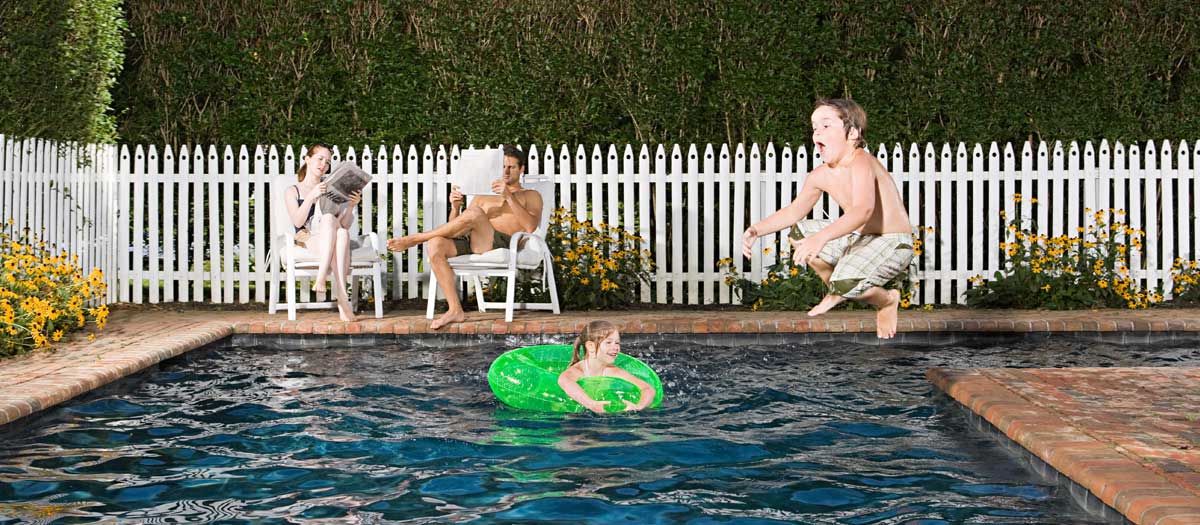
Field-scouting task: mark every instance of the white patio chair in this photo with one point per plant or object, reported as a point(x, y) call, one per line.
point(507, 262)
point(365, 261)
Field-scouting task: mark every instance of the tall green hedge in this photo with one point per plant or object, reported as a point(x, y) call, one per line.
point(58, 62)
point(420, 71)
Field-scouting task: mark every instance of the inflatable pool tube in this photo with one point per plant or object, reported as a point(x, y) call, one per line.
point(527, 378)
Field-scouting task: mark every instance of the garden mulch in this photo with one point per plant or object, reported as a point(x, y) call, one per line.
point(1129, 435)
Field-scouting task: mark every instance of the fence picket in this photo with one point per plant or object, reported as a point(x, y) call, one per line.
point(710, 272)
point(1151, 217)
point(644, 188)
point(261, 225)
point(660, 224)
point(725, 243)
point(676, 241)
point(1136, 176)
point(976, 256)
point(412, 191)
point(1166, 181)
point(242, 180)
point(693, 228)
point(169, 271)
point(152, 219)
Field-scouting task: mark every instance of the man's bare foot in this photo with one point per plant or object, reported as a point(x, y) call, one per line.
point(448, 318)
point(826, 304)
point(886, 318)
point(400, 244)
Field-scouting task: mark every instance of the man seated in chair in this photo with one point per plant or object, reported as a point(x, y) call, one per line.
point(488, 223)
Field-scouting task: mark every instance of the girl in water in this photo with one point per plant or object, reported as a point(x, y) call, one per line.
point(595, 351)
point(325, 235)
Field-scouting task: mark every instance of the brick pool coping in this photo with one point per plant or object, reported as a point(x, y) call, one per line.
point(1123, 453)
point(1130, 436)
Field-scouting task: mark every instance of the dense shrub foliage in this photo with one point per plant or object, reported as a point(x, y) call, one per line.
point(58, 62)
point(409, 71)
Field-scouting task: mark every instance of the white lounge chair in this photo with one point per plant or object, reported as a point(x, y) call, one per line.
point(507, 262)
point(365, 261)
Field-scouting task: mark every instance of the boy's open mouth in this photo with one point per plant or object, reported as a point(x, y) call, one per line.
point(821, 148)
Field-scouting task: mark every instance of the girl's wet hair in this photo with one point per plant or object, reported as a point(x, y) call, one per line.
point(595, 332)
point(304, 165)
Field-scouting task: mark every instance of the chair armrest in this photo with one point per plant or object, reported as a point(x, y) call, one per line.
point(372, 239)
point(515, 243)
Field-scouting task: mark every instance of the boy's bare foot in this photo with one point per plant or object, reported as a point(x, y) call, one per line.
point(826, 304)
point(886, 318)
point(400, 244)
point(448, 318)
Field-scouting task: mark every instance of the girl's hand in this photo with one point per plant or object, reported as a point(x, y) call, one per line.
point(355, 198)
point(597, 406)
point(316, 191)
point(630, 406)
point(749, 237)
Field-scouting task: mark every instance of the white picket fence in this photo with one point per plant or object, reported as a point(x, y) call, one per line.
point(191, 224)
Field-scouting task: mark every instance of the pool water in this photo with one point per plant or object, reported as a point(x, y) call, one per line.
point(828, 433)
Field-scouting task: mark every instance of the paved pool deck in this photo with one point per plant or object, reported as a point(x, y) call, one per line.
point(1130, 436)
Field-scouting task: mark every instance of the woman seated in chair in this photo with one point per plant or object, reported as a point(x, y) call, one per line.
point(325, 235)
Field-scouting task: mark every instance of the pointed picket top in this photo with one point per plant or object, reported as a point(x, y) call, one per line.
point(397, 156)
point(755, 156)
point(152, 152)
point(1089, 153)
point(1165, 154)
point(441, 153)
point(708, 151)
point(597, 155)
point(412, 154)
point(258, 152)
point(227, 154)
point(564, 158)
point(1195, 158)
point(138, 153)
point(881, 153)
point(977, 154)
point(454, 153)
point(660, 152)
point(612, 157)
point(1182, 155)
point(1151, 153)
point(770, 152)
point(960, 153)
point(930, 154)
point(740, 153)
point(724, 152)
point(1043, 151)
point(427, 153)
point(693, 153)
point(644, 153)
point(168, 155)
point(1134, 154)
point(1119, 149)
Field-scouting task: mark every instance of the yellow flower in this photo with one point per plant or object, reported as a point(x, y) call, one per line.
point(584, 281)
point(1046, 288)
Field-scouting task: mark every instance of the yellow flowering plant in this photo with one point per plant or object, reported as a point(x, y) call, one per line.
point(1185, 279)
point(1085, 270)
point(43, 294)
point(597, 267)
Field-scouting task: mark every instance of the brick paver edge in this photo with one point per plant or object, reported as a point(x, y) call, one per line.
point(1141, 494)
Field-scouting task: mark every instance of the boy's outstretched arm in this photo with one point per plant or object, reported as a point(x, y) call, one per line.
point(862, 198)
point(784, 217)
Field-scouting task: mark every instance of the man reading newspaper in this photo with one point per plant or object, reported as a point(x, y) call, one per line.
point(345, 180)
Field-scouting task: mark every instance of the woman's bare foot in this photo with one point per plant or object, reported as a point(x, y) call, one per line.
point(448, 318)
point(886, 318)
point(826, 304)
point(400, 244)
point(319, 286)
point(345, 311)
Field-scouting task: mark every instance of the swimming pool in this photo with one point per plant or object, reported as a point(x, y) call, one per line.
point(833, 432)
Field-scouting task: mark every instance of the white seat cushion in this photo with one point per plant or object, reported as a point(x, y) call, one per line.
point(498, 257)
point(364, 254)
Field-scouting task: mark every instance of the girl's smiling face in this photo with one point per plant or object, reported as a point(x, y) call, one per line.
point(609, 348)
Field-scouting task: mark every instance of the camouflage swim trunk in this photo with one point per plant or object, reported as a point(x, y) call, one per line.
point(860, 261)
point(462, 245)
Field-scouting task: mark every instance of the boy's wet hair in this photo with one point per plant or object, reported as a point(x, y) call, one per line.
point(516, 153)
point(304, 165)
point(594, 332)
point(852, 115)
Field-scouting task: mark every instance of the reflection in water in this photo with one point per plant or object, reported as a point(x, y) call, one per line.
point(837, 433)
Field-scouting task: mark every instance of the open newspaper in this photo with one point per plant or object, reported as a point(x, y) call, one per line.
point(476, 169)
point(345, 180)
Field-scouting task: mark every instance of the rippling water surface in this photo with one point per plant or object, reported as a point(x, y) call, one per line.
point(829, 433)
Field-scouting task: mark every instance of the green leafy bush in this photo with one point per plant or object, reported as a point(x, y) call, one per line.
point(1085, 270)
point(58, 62)
point(612, 71)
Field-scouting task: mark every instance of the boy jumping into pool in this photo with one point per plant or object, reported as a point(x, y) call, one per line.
point(858, 254)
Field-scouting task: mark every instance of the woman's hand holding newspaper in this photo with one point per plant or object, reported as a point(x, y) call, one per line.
point(316, 192)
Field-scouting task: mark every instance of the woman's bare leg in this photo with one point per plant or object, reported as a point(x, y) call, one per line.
point(323, 243)
point(341, 252)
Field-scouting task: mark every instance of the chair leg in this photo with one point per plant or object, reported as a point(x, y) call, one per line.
point(550, 281)
point(355, 290)
point(478, 292)
point(432, 292)
point(291, 294)
point(378, 281)
point(273, 293)
point(510, 294)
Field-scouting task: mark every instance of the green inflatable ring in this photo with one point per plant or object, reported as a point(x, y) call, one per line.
point(527, 378)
